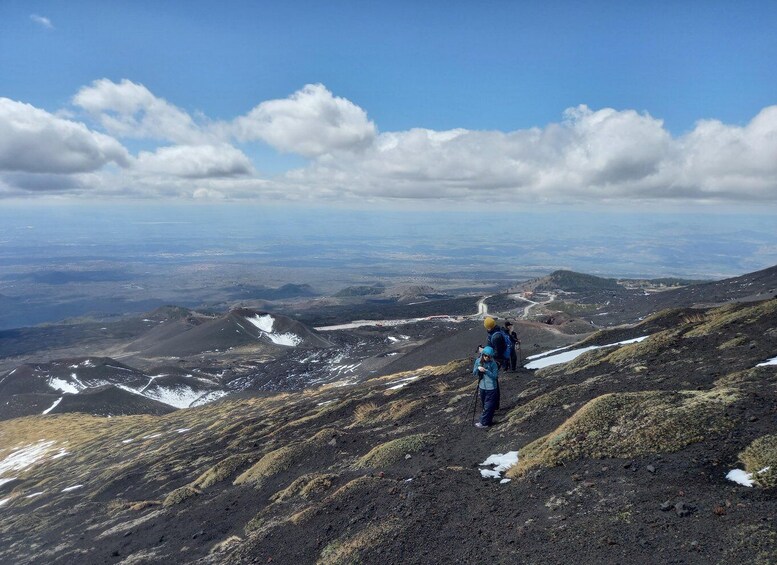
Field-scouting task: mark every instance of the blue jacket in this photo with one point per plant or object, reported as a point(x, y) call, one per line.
point(490, 377)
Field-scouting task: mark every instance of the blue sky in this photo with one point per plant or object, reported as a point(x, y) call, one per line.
point(619, 104)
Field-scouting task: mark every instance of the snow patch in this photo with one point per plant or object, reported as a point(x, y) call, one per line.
point(743, 477)
point(500, 462)
point(50, 408)
point(402, 382)
point(25, 457)
point(545, 360)
point(265, 324)
point(74, 487)
point(772, 361)
point(62, 385)
point(178, 397)
point(740, 477)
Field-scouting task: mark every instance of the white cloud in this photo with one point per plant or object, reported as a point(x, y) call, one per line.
point(195, 161)
point(310, 122)
point(598, 156)
point(603, 155)
point(127, 109)
point(34, 141)
point(40, 20)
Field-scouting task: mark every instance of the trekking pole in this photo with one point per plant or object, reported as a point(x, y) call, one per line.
point(474, 402)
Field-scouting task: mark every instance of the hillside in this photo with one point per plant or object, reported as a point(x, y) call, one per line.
point(622, 456)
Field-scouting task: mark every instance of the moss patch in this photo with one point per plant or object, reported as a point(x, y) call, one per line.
point(732, 314)
point(306, 486)
point(393, 451)
point(283, 458)
point(220, 471)
point(556, 398)
point(179, 495)
point(653, 345)
point(760, 459)
point(348, 549)
point(630, 424)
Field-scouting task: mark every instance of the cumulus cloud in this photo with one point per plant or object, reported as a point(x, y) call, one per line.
point(131, 110)
point(589, 155)
point(35, 141)
point(310, 122)
point(197, 161)
point(41, 21)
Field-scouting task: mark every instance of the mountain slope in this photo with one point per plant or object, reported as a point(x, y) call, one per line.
point(622, 457)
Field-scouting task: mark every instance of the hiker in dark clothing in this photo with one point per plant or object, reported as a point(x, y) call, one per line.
point(500, 341)
point(516, 342)
point(487, 372)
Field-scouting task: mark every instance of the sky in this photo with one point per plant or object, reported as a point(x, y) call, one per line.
point(399, 104)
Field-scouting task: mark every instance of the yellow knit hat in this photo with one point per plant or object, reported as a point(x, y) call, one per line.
point(489, 323)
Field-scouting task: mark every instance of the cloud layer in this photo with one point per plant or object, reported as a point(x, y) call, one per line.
point(588, 156)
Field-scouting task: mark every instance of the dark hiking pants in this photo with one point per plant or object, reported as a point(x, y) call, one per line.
point(490, 400)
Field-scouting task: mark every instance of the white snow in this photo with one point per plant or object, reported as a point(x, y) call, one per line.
point(24, 457)
point(546, 360)
point(6, 480)
point(2, 502)
point(208, 397)
point(62, 385)
point(179, 397)
point(402, 382)
point(182, 430)
point(743, 477)
point(772, 361)
point(33, 495)
point(265, 324)
point(500, 462)
point(74, 487)
point(288, 339)
point(50, 408)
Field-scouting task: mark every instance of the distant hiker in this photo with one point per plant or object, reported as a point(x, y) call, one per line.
point(487, 372)
point(500, 341)
point(516, 345)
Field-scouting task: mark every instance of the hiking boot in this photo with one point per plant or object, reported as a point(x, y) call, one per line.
point(479, 425)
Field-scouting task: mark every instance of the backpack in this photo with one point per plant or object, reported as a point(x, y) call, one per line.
point(507, 341)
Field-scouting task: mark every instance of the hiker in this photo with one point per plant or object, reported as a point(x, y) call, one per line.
point(500, 341)
point(516, 345)
point(487, 372)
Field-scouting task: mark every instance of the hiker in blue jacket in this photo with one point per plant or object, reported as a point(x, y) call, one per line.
point(487, 372)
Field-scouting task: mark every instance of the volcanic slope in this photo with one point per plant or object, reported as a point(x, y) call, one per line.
point(619, 456)
point(607, 302)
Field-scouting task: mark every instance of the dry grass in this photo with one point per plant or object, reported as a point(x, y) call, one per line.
point(733, 314)
point(388, 453)
point(555, 399)
point(305, 486)
point(760, 459)
point(179, 495)
point(363, 412)
point(221, 471)
point(283, 458)
point(631, 424)
point(349, 548)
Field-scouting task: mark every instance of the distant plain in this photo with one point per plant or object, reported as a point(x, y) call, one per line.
point(68, 261)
